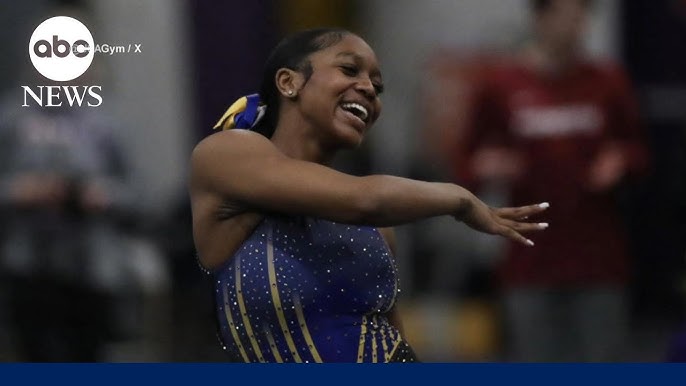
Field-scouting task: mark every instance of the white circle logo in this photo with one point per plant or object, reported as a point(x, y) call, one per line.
point(61, 48)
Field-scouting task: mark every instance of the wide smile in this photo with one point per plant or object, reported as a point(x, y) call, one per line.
point(357, 114)
point(356, 109)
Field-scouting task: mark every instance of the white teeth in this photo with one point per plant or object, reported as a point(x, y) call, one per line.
point(363, 114)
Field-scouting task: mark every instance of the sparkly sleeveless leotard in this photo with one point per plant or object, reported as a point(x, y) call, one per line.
point(309, 290)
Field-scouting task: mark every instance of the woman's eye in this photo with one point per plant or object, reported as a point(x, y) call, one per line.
point(378, 88)
point(349, 70)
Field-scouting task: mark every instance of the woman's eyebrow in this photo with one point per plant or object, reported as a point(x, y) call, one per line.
point(358, 58)
point(351, 54)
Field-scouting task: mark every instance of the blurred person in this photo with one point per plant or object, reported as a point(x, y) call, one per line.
point(552, 123)
point(302, 272)
point(63, 192)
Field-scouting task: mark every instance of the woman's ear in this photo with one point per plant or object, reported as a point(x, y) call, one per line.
point(288, 82)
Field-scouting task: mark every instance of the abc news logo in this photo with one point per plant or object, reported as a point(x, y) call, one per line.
point(62, 49)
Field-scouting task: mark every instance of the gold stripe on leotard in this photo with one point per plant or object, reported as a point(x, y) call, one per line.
point(241, 306)
point(363, 334)
point(232, 326)
point(305, 330)
point(396, 344)
point(272, 345)
point(276, 299)
point(384, 345)
point(375, 358)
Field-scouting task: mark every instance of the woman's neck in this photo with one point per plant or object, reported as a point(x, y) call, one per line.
point(296, 139)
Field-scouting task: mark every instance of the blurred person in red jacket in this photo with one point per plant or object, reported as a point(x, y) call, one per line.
point(554, 125)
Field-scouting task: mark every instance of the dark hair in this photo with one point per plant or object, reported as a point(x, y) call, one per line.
point(539, 6)
point(292, 53)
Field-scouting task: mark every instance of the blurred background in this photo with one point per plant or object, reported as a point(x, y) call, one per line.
point(96, 255)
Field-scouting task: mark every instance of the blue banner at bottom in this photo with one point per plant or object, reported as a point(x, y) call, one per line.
point(341, 374)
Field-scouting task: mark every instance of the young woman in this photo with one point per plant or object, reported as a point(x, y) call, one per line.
point(302, 272)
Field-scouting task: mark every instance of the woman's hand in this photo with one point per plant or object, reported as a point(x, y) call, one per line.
point(507, 222)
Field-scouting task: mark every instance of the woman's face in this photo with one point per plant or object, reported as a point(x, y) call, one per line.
point(341, 98)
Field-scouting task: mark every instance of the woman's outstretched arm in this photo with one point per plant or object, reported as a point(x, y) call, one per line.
point(246, 168)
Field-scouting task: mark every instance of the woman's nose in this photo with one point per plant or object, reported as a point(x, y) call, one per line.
point(366, 87)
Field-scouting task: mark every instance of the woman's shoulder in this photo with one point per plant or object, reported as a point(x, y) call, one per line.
point(231, 139)
point(225, 147)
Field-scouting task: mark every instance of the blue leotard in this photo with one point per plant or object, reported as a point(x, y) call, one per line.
point(309, 290)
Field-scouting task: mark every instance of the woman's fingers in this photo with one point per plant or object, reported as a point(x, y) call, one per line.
point(513, 229)
point(505, 221)
point(525, 226)
point(521, 212)
point(516, 236)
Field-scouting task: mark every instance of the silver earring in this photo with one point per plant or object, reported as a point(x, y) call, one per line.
point(290, 92)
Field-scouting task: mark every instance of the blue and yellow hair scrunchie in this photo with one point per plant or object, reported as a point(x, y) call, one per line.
point(244, 113)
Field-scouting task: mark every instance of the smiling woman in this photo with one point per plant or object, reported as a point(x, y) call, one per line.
point(303, 274)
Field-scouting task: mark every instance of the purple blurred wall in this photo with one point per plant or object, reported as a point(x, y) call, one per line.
point(232, 40)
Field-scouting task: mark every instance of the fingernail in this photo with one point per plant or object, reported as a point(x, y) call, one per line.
point(544, 205)
point(529, 243)
point(543, 225)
